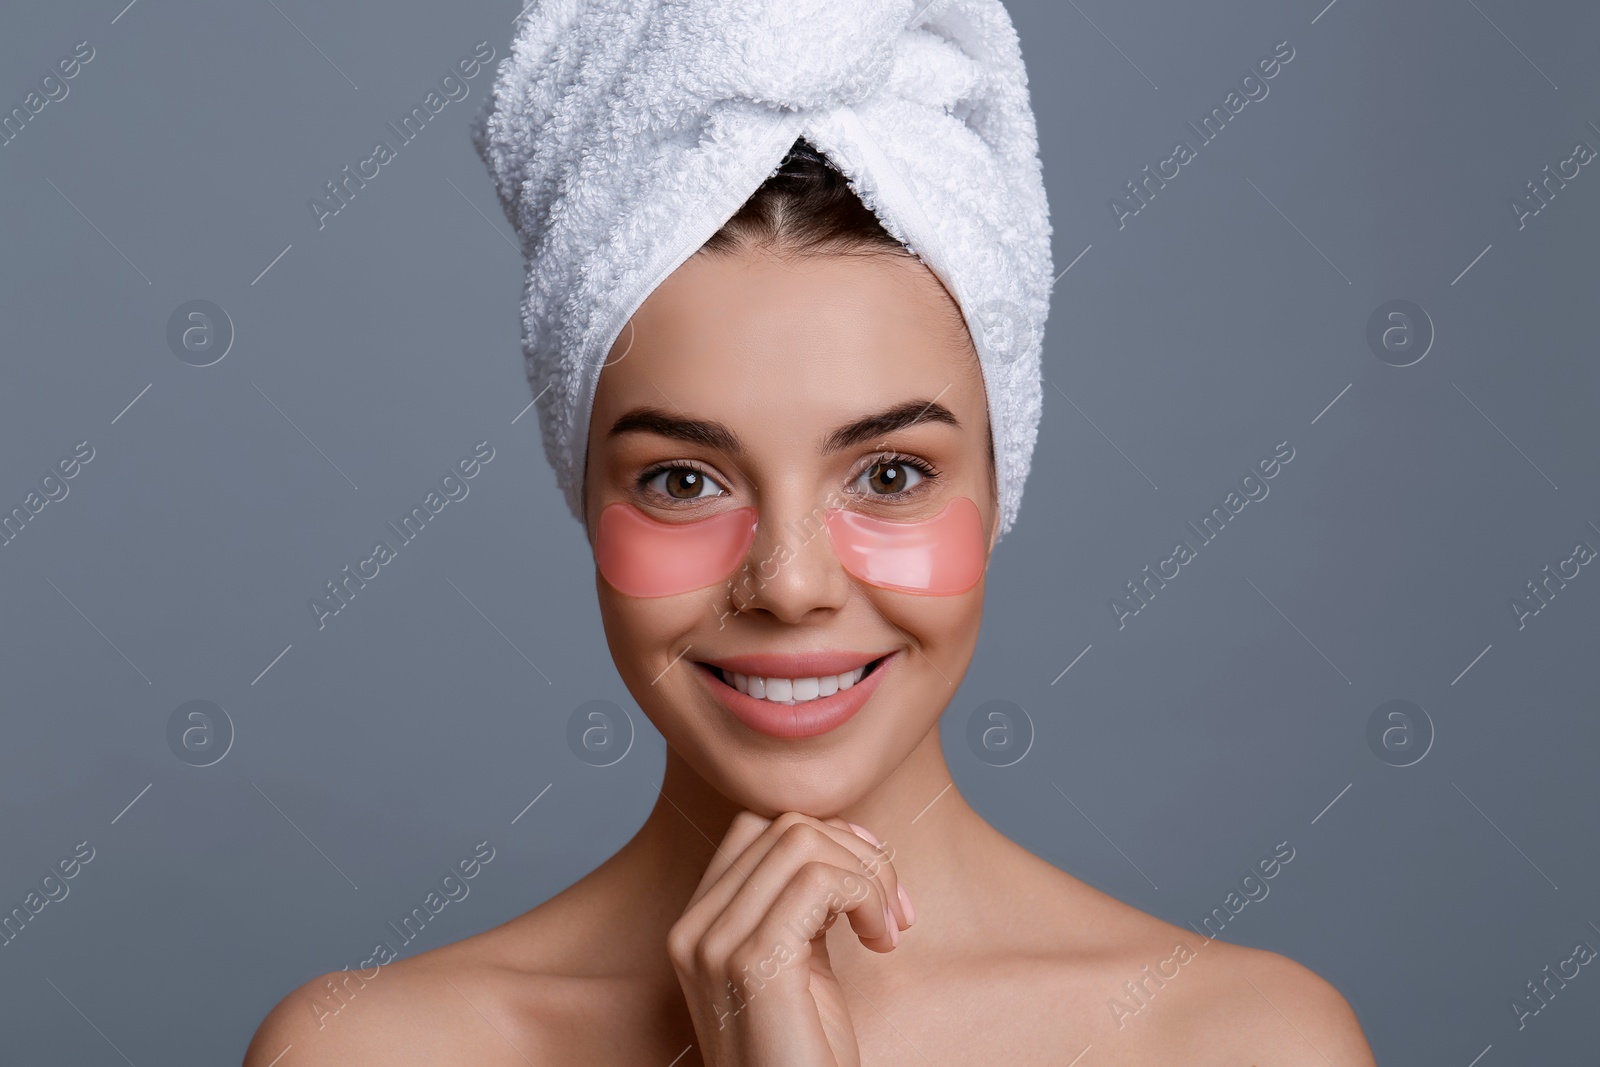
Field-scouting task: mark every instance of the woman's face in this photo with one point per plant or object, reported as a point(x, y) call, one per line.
point(792, 386)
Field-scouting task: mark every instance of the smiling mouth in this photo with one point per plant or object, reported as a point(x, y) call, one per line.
point(792, 690)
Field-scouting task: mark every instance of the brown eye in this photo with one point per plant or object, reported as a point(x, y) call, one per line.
point(890, 476)
point(683, 483)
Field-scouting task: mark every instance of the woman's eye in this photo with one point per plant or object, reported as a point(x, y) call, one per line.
point(683, 483)
point(890, 476)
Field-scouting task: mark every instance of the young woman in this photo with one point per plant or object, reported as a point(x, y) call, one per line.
point(792, 451)
point(789, 479)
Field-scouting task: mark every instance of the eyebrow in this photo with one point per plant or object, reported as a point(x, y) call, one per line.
point(715, 435)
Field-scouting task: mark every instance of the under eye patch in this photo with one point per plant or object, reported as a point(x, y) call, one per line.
point(645, 557)
point(941, 556)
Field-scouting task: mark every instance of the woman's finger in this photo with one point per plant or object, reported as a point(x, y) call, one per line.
point(744, 894)
point(773, 919)
point(875, 861)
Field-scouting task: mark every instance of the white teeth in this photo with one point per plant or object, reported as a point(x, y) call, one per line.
point(793, 690)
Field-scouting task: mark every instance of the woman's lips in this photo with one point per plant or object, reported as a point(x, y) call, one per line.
point(807, 718)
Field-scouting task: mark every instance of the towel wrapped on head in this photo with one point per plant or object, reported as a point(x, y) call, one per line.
point(622, 134)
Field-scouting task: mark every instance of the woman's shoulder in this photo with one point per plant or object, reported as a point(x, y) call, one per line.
point(481, 1000)
point(1160, 990)
point(1266, 1006)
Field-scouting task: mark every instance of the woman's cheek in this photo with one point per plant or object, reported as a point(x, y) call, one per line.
point(642, 631)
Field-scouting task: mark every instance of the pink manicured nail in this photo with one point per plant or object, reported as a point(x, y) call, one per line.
point(905, 902)
point(865, 834)
point(894, 927)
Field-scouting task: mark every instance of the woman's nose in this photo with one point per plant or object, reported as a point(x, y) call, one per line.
point(792, 569)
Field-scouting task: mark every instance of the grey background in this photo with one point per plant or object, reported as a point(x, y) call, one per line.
point(1222, 319)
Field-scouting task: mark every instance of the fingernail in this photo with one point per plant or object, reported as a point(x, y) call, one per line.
point(905, 902)
point(894, 927)
point(865, 834)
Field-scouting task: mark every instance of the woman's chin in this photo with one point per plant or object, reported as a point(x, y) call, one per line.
point(820, 789)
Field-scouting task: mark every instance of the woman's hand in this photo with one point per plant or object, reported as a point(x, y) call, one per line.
point(749, 949)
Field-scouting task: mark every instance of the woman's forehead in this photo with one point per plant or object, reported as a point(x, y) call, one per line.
point(814, 330)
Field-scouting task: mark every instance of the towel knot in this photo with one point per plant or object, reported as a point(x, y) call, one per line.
point(797, 54)
point(817, 54)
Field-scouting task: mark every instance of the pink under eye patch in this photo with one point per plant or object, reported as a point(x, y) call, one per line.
point(940, 556)
point(644, 557)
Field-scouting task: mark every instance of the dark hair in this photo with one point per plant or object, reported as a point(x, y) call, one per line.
point(806, 206)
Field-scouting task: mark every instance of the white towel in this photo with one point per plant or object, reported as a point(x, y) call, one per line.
point(622, 134)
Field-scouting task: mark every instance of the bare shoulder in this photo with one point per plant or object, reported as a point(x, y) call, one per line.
point(1266, 1005)
point(482, 1000)
point(1195, 999)
point(1158, 992)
